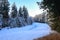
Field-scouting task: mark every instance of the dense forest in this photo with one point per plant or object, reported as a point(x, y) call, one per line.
point(16, 18)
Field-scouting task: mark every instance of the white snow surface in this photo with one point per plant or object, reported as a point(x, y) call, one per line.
point(29, 32)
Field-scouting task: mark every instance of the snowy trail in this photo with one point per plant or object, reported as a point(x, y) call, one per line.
point(29, 32)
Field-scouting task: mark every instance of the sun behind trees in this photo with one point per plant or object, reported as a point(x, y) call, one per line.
point(16, 18)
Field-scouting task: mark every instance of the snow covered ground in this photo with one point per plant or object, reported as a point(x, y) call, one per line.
point(29, 32)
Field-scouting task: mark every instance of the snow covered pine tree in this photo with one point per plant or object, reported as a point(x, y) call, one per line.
point(4, 9)
point(13, 18)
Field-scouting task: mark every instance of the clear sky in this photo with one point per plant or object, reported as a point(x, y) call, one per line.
point(31, 5)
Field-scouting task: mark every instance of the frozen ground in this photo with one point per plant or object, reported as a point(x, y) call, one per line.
point(29, 32)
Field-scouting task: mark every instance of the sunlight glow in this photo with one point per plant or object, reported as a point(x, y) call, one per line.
point(33, 13)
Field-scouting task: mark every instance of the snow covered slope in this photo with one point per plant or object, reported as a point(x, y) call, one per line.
point(29, 32)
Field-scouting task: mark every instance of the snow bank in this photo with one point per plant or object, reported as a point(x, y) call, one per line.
point(29, 32)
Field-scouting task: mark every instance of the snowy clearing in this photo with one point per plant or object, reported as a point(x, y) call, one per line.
point(29, 32)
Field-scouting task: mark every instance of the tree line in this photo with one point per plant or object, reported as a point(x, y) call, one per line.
point(16, 18)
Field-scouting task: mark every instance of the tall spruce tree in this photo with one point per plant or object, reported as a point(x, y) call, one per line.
point(14, 11)
point(1, 12)
point(20, 20)
point(13, 21)
point(53, 13)
point(4, 9)
point(25, 12)
point(20, 12)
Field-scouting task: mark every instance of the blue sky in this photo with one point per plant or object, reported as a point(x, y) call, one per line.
point(31, 5)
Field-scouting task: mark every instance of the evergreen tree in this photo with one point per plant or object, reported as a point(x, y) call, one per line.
point(20, 12)
point(1, 17)
point(1, 7)
point(14, 11)
point(20, 17)
point(54, 12)
point(25, 12)
point(13, 21)
point(4, 9)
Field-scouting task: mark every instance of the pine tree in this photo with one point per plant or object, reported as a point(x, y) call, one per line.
point(20, 12)
point(1, 17)
point(4, 9)
point(14, 11)
point(1, 12)
point(20, 19)
point(25, 12)
point(13, 21)
point(53, 12)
